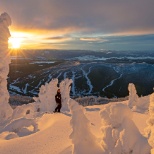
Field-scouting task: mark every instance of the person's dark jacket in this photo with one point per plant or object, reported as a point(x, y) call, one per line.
point(58, 98)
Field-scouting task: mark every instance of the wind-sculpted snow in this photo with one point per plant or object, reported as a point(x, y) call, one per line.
point(133, 97)
point(25, 115)
point(65, 87)
point(150, 122)
point(120, 134)
point(84, 142)
point(16, 126)
point(46, 97)
point(5, 108)
point(136, 103)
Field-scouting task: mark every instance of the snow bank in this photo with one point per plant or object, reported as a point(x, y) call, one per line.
point(120, 134)
point(27, 111)
point(82, 138)
point(5, 109)
point(16, 125)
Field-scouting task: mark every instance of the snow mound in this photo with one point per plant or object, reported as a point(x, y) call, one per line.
point(120, 134)
point(18, 124)
point(27, 111)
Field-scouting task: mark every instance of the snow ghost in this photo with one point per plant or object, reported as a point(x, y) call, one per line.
point(5, 109)
point(120, 134)
point(133, 97)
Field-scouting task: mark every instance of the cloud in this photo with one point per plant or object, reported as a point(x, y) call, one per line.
point(84, 24)
point(58, 39)
point(105, 16)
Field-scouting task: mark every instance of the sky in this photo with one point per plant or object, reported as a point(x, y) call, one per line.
point(82, 24)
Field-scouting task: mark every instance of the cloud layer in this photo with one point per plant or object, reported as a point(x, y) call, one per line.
point(106, 16)
point(82, 20)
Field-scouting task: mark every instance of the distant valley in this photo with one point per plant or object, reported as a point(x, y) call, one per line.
point(105, 74)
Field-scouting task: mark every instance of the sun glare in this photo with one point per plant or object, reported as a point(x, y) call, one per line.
point(15, 42)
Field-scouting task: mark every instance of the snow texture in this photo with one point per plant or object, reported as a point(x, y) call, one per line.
point(138, 104)
point(133, 97)
point(16, 125)
point(5, 109)
point(82, 139)
point(30, 110)
point(65, 87)
point(46, 98)
point(150, 122)
point(120, 134)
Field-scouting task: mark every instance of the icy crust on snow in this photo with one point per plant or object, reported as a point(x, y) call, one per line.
point(82, 139)
point(5, 109)
point(120, 134)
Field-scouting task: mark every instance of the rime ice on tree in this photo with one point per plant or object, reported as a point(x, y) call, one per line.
point(5, 109)
point(46, 96)
point(150, 123)
point(84, 142)
point(133, 97)
point(120, 134)
point(65, 93)
point(139, 104)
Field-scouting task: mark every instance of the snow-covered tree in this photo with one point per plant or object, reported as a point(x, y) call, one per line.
point(139, 104)
point(150, 122)
point(84, 142)
point(65, 87)
point(46, 96)
point(133, 97)
point(120, 134)
point(5, 108)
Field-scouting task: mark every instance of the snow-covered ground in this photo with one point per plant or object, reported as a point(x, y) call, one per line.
point(117, 127)
point(54, 131)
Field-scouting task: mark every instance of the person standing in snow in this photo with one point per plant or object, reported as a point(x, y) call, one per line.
point(58, 101)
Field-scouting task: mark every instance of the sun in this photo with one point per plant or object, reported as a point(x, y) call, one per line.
point(15, 42)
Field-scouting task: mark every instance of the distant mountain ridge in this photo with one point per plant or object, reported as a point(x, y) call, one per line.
point(94, 73)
